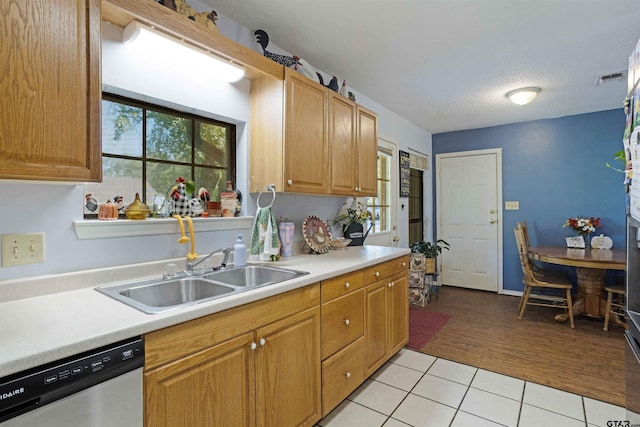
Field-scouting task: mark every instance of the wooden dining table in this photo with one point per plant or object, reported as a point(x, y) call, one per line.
point(591, 265)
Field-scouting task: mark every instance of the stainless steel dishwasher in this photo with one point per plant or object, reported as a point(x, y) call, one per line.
point(98, 388)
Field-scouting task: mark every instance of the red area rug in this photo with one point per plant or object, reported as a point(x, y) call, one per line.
point(424, 325)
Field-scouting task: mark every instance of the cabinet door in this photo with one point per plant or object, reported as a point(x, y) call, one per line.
point(342, 145)
point(305, 146)
point(288, 371)
point(375, 326)
point(367, 146)
point(398, 312)
point(214, 387)
point(50, 90)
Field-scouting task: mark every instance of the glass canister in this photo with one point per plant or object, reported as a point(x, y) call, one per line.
point(285, 232)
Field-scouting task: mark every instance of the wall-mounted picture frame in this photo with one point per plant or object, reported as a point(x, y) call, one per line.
point(405, 180)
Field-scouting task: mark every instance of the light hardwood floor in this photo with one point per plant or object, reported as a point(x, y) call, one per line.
point(484, 331)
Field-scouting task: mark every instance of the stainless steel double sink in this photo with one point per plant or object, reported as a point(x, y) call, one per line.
point(159, 295)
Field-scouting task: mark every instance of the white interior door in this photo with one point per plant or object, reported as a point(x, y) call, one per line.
point(469, 200)
point(385, 232)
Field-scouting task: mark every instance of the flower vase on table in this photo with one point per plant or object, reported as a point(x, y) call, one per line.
point(583, 226)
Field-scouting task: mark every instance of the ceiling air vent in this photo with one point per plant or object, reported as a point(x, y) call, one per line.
point(611, 78)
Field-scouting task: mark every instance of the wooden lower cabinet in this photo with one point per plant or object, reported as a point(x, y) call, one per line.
point(398, 314)
point(288, 372)
point(268, 377)
point(214, 387)
point(376, 316)
point(386, 325)
point(365, 321)
point(284, 361)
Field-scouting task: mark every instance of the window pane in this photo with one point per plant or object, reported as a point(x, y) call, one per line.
point(161, 177)
point(168, 137)
point(214, 180)
point(381, 203)
point(121, 129)
point(120, 177)
point(211, 145)
point(146, 147)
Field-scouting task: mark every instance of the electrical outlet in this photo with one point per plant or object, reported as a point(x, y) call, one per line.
point(512, 205)
point(22, 249)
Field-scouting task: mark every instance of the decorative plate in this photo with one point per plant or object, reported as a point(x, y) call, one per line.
point(601, 242)
point(316, 234)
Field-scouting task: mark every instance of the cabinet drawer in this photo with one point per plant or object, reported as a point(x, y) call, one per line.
point(341, 285)
point(386, 269)
point(342, 373)
point(342, 322)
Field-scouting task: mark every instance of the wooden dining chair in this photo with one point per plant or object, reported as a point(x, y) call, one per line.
point(615, 305)
point(539, 271)
point(543, 292)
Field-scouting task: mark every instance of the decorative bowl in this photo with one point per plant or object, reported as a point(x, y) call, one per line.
point(340, 243)
point(137, 209)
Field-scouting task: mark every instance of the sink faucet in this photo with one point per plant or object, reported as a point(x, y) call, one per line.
point(226, 252)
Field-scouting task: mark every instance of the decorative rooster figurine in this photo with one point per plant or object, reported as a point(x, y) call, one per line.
point(182, 205)
point(333, 84)
point(288, 61)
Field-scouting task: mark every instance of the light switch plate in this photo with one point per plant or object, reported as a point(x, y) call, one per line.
point(512, 205)
point(22, 249)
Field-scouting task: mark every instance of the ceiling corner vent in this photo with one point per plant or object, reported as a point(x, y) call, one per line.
point(611, 78)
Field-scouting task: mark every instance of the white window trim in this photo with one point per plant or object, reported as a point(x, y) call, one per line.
point(102, 229)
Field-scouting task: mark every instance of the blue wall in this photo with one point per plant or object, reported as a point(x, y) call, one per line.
point(556, 169)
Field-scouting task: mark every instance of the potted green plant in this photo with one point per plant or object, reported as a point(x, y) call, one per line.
point(430, 250)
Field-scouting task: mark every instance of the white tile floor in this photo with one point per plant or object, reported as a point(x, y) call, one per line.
point(415, 389)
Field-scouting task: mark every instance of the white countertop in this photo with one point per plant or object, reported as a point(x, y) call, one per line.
point(35, 330)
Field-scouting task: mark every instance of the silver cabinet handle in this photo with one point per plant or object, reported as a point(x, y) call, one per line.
point(253, 346)
point(346, 285)
point(262, 341)
point(346, 322)
point(289, 182)
point(347, 374)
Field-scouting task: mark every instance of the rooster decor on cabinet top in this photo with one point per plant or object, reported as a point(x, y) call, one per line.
point(288, 61)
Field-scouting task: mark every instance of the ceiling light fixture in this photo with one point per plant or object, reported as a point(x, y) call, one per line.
point(523, 96)
point(153, 42)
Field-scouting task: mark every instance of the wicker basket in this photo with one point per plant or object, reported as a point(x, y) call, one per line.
point(429, 265)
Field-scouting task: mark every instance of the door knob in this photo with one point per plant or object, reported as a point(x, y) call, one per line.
point(492, 211)
point(492, 221)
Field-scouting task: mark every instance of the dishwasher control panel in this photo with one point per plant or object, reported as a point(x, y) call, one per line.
point(28, 390)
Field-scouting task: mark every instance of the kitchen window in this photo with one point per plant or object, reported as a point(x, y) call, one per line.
point(380, 205)
point(146, 147)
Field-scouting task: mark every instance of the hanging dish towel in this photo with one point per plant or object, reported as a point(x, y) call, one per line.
point(264, 238)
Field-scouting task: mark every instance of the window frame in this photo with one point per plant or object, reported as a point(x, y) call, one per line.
point(230, 133)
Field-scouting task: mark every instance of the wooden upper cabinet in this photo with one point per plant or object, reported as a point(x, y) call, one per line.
point(305, 138)
point(50, 90)
point(342, 145)
point(367, 149)
point(305, 143)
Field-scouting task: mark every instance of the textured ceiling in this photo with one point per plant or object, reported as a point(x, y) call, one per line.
point(446, 65)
